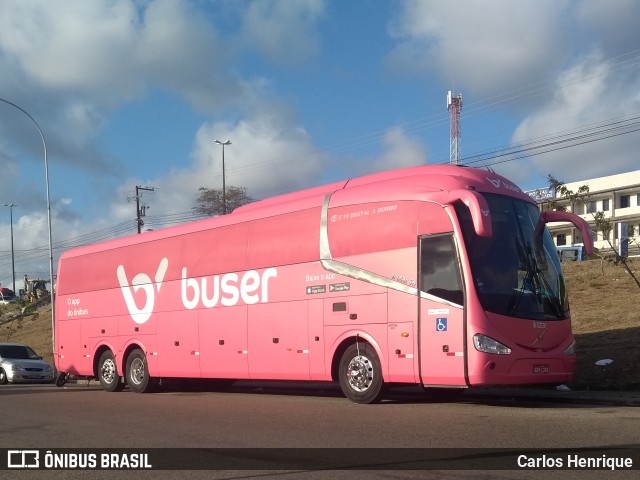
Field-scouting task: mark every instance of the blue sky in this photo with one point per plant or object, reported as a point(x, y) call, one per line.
point(134, 92)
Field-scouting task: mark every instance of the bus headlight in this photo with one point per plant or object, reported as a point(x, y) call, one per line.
point(571, 349)
point(489, 345)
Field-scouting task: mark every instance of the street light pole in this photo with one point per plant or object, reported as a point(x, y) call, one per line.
point(13, 264)
point(224, 187)
point(46, 179)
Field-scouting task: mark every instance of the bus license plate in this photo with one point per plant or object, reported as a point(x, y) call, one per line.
point(541, 369)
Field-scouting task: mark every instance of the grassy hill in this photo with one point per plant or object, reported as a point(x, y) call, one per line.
point(606, 321)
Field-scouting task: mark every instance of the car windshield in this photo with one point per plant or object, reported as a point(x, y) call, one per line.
point(17, 352)
point(516, 272)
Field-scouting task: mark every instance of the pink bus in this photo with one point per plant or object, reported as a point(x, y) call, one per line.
point(442, 276)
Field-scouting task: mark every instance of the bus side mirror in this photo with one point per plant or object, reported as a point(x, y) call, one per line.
point(478, 207)
point(551, 216)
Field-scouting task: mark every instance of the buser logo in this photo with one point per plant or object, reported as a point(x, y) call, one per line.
point(226, 290)
point(497, 183)
point(141, 281)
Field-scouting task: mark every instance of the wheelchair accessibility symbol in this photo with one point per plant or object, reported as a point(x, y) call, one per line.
point(441, 324)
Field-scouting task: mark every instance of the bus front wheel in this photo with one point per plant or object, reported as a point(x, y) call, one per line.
point(360, 374)
point(137, 373)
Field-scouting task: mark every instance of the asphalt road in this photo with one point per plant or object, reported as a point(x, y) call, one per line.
point(252, 416)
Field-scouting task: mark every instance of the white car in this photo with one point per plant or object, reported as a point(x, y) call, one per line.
point(20, 364)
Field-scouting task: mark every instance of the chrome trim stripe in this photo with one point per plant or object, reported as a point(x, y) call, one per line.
point(325, 251)
point(428, 296)
point(366, 276)
point(352, 271)
point(345, 269)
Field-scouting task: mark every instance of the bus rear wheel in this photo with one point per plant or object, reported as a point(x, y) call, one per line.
point(61, 379)
point(360, 374)
point(137, 373)
point(108, 373)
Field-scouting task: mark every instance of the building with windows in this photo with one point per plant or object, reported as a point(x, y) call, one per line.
point(616, 196)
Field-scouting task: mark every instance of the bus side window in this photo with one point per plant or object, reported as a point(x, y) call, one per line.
point(439, 268)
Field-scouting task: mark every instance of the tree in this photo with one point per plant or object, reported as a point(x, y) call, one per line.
point(209, 201)
point(562, 191)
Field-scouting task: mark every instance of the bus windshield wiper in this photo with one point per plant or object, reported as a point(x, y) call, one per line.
point(554, 300)
point(527, 286)
point(540, 286)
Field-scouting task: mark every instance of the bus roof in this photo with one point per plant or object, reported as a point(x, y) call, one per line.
point(411, 183)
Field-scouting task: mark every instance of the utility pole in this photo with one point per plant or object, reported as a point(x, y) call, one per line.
point(141, 211)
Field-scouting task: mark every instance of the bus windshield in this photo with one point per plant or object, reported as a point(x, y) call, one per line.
point(516, 272)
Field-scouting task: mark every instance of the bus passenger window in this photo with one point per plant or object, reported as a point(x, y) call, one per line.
point(439, 268)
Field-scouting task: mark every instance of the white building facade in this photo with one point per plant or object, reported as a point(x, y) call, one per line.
point(617, 197)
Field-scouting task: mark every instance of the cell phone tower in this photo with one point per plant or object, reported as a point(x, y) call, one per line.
point(454, 105)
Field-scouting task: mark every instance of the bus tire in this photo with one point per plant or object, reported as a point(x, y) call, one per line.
point(137, 372)
point(360, 374)
point(108, 373)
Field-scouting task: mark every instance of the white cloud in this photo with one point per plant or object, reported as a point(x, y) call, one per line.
point(269, 154)
point(587, 95)
point(400, 151)
point(30, 235)
point(613, 25)
point(112, 51)
point(284, 31)
point(486, 48)
point(565, 65)
point(77, 45)
point(73, 63)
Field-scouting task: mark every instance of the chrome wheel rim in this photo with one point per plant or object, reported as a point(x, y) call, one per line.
point(108, 370)
point(137, 373)
point(360, 373)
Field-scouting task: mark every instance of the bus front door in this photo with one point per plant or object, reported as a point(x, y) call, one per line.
point(441, 313)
